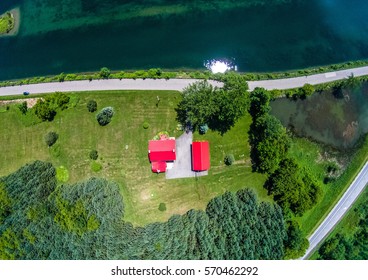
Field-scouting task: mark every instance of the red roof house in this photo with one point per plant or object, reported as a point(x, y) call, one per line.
point(161, 150)
point(200, 156)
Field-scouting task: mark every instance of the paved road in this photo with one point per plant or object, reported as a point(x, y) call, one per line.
point(313, 79)
point(113, 84)
point(175, 84)
point(339, 210)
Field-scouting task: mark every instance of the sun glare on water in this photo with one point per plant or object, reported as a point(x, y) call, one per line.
point(220, 66)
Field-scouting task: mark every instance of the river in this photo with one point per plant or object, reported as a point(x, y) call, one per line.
point(255, 35)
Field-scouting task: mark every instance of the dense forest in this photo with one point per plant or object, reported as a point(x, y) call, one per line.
point(43, 220)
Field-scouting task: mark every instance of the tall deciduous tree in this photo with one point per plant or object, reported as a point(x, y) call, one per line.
point(293, 187)
point(269, 143)
point(220, 108)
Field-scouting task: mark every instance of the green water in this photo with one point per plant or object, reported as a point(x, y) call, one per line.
point(335, 118)
point(82, 35)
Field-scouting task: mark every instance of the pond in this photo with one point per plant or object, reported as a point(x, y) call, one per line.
point(337, 118)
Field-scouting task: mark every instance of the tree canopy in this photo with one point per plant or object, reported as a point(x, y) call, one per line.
point(293, 187)
point(267, 137)
point(85, 221)
point(269, 143)
point(219, 108)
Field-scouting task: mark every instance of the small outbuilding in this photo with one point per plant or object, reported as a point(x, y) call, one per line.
point(200, 156)
point(158, 166)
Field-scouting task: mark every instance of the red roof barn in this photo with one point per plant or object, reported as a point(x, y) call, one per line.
point(161, 150)
point(200, 156)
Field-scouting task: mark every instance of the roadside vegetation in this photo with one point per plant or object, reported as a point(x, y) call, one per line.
point(157, 73)
point(349, 240)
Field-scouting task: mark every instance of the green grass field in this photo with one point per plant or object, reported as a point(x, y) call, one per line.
point(122, 148)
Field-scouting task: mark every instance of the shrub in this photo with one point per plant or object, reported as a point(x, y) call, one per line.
point(60, 99)
point(43, 111)
point(145, 125)
point(61, 77)
point(92, 106)
point(203, 129)
point(51, 138)
point(62, 174)
point(162, 207)
point(93, 155)
point(229, 159)
point(95, 166)
point(105, 115)
point(105, 73)
point(23, 107)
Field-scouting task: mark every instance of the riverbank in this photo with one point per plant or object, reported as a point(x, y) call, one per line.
point(15, 15)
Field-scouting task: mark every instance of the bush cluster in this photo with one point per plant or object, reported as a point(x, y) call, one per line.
point(93, 155)
point(105, 115)
point(229, 159)
point(51, 138)
point(92, 106)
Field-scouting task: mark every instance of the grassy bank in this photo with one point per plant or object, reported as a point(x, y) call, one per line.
point(348, 226)
point(122, 149)
point(309, 155)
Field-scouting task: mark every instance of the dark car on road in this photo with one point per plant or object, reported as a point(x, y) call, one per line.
point(25, 92)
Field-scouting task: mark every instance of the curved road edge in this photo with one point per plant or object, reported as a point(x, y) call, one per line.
point(312, 79)
point(340, 209)
point(112, 84)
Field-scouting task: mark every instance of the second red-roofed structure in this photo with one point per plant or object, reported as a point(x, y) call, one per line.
point(200, 156)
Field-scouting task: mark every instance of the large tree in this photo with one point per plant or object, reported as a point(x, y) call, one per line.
point(220, 108)
point(269, 143)
point(259, 103)
point(293, 187)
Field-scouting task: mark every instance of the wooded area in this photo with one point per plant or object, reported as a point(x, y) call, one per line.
point(41, 220)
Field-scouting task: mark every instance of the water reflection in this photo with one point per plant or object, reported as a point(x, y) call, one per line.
point(220, 65)
point(337, 118)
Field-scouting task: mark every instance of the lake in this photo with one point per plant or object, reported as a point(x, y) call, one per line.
point(83, 35)
point(335, 118)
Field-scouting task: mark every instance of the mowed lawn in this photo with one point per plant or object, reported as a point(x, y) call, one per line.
point(122, 147)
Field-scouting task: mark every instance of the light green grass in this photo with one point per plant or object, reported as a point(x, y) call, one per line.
point(95, 166)
point(62, 174)
point(122, 147)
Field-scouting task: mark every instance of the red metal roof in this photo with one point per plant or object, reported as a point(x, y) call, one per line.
point(161, 150)
point(158, 166)
point(200, 156)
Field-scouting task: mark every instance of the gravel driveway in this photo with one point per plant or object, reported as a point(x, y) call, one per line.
point(183, 165)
